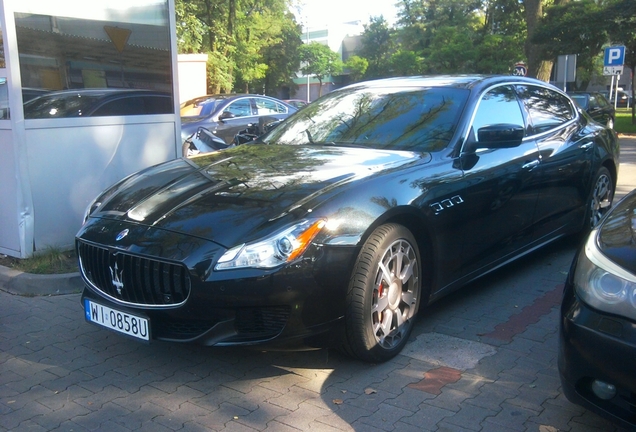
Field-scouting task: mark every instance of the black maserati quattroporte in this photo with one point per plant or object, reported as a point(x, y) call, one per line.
point(337, 226)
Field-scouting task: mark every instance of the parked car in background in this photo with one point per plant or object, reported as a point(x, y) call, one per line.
point(297, 103)
point(597, 343)
point(596, 105)
point(97, 102)
point(624, 99)
point(226, 114)
point(343, 222)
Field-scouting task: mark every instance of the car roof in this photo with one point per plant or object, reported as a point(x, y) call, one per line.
point(103, 92)
point(456, 81)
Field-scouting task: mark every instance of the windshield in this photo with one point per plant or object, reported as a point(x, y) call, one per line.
point(413, 119)
point(580, 101)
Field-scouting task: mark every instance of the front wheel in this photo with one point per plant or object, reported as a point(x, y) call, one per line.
point(601, 197)
point(383, 295)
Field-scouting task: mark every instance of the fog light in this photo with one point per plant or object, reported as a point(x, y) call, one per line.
point(603, 390)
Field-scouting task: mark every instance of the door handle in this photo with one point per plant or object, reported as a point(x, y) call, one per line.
point(531, 165)
point(587, 145)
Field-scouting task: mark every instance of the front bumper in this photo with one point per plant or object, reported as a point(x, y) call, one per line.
point(597, 346)
point(298, 305)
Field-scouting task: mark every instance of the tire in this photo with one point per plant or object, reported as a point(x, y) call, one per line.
point(600, 200)
point(383, 295)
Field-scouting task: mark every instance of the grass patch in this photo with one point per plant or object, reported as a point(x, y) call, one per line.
point(48, 261)
point(623, 122)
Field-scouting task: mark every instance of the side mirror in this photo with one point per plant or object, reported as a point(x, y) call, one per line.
point(499, 136)
point(226, 115)
point(266, 124)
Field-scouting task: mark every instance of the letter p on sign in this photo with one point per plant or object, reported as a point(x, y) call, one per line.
point(614, 56)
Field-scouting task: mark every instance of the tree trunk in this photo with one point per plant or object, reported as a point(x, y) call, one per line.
point(537, 66)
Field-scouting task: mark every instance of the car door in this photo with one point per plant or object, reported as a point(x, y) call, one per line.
point(235, 117)
point(499, 185)
point(567, 151)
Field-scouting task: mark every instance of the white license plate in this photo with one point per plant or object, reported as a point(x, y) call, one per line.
point(119, 321)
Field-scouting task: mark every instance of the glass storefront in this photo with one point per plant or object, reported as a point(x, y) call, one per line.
point(78, 48)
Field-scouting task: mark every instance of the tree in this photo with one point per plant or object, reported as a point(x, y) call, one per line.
point(190, 29)
point(357, 67)
point(236, 35)
point(283, 58)
point(565, 29)
point(320, 61)
point(620, 16)
point(377, 46)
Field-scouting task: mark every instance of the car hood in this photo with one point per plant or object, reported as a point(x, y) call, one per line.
point(617, 235)
point(231, 196)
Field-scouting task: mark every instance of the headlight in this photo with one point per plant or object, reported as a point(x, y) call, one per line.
point(282, 247)
point(94, 205)
point(603, 284)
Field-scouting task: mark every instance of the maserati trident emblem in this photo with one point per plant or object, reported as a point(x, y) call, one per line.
point(116, 276)
point(121, 235)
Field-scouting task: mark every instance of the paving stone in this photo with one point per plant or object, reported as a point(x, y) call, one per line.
point(385, 417)
point(427, 417)
point(468, 417)
point(511, 417)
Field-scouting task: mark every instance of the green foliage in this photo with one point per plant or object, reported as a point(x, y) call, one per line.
point(190, 29)
point(257, 44)
point(237, 35)
point(404, 63)
point(357, 67)
point(377, 46)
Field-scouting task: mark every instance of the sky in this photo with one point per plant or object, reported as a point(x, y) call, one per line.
point(320, 12)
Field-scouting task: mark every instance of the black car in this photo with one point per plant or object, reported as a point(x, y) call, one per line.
point(623, 98)
point(339, 225)
point(597, 344)
point(97, 103)
point(225, 115)
point(596, 105)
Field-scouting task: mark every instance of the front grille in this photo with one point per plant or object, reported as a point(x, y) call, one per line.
point(133, 279)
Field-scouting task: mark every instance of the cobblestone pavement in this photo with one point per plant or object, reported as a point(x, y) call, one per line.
point(482, 359)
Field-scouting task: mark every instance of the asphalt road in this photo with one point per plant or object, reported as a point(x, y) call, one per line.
point(482, 359)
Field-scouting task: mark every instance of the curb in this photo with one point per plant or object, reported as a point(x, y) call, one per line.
point(29, 284)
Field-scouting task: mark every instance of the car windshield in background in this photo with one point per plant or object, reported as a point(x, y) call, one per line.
point(381, 118)
point(580, 100)
point(199, 107)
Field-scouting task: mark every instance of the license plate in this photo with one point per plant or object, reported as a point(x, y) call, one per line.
point(119, 321)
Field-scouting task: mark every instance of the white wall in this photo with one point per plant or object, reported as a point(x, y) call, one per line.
point(192, 76)
point(73, 160)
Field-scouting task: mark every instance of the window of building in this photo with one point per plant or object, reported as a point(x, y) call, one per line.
point(100, 44)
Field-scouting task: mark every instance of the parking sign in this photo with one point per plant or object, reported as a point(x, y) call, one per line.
point(613, 60)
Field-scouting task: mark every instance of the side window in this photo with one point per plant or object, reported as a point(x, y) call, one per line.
point(547, 108)
point(281, 108)
point(158, 104)
point(240, 108)
point(265, 106)
point(593, 103)
point(500, 105)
